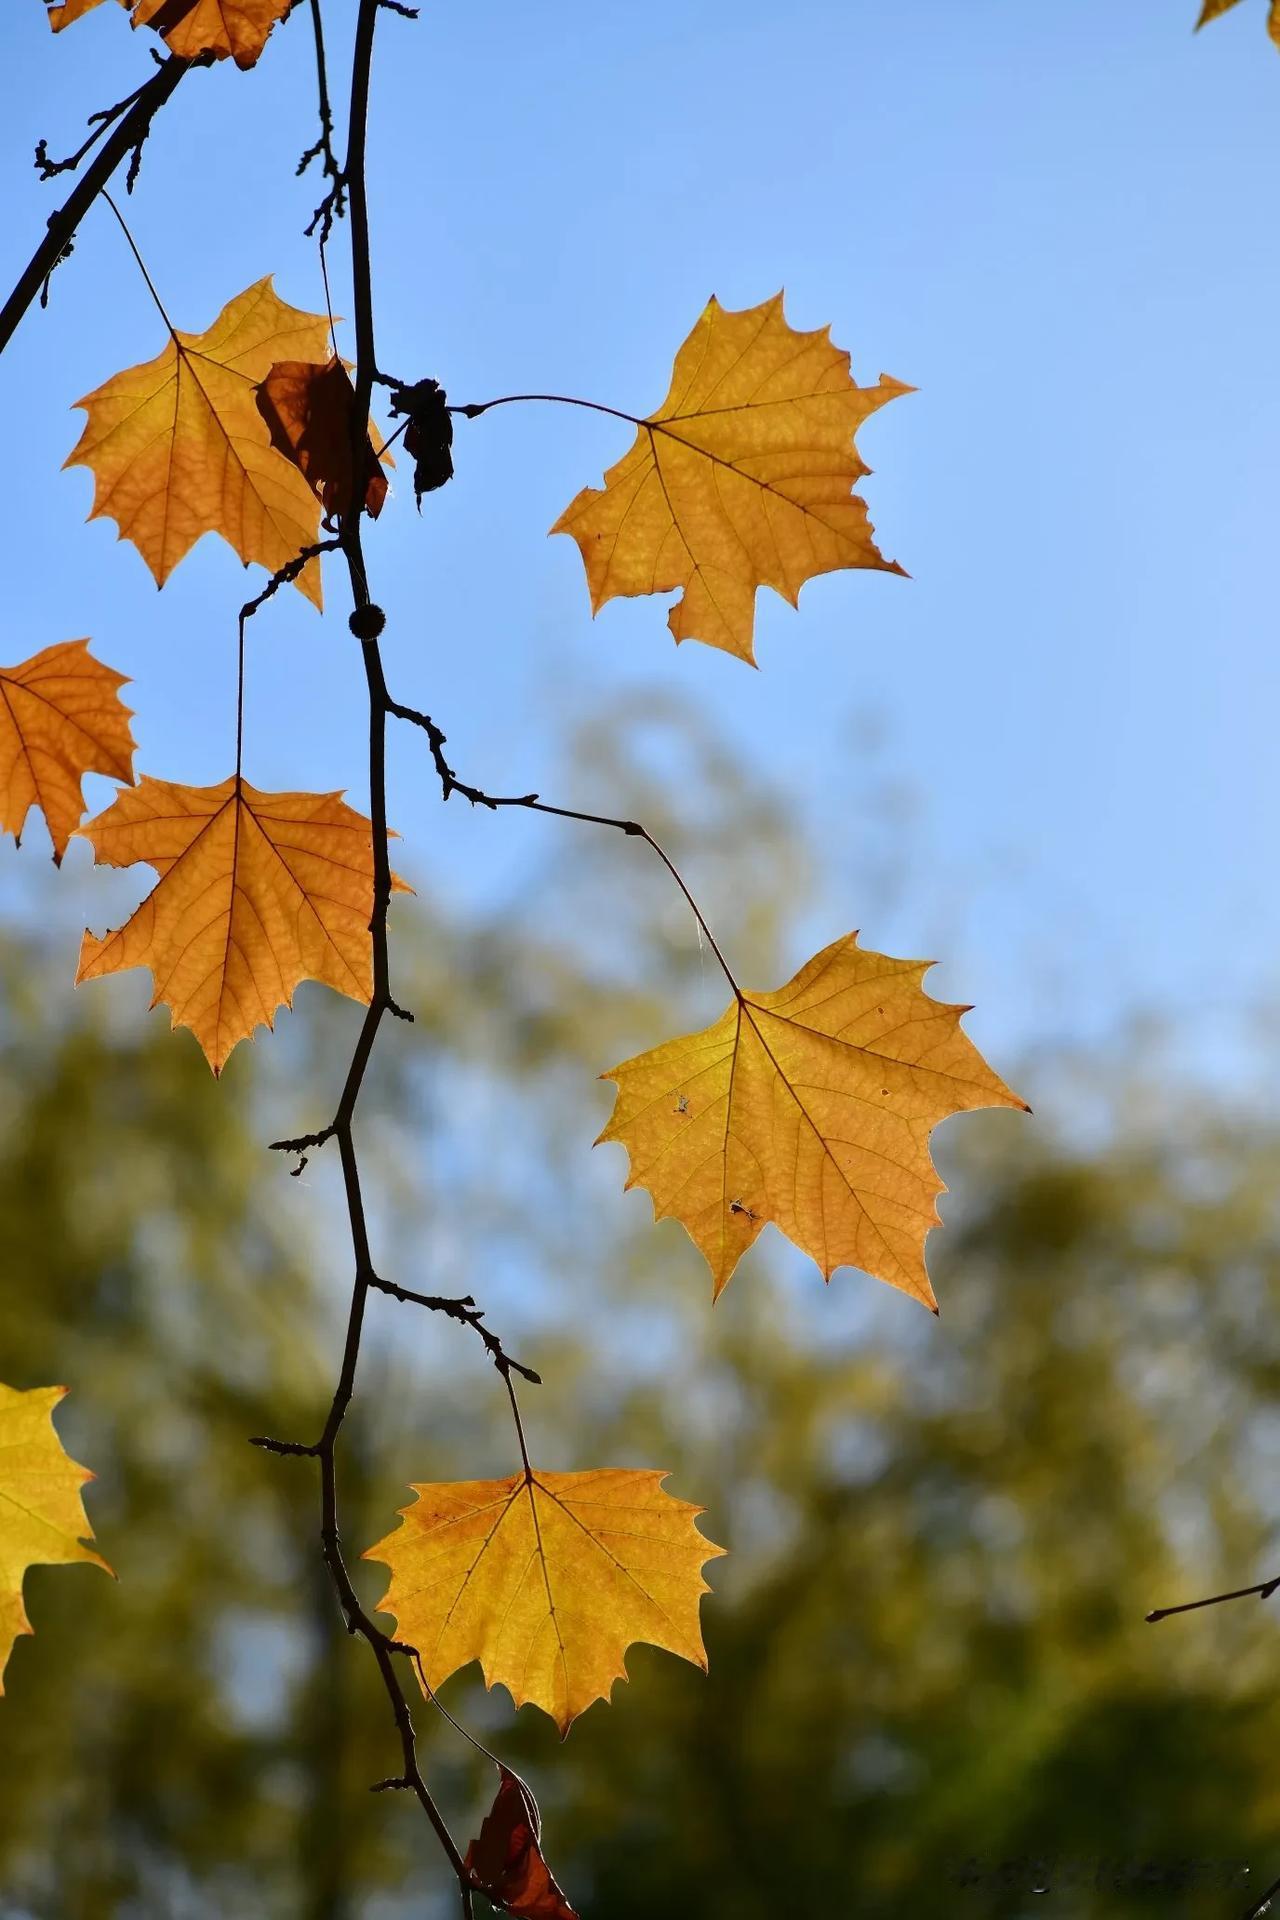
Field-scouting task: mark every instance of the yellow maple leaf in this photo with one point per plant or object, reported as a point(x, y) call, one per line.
point(256, 893)
point(741, 479)
point(546, 1579)
point(189, 28)
point(1213, 8)
point(42, 1517)
point(178, 448)
point(61, 716)
point(810, 1107)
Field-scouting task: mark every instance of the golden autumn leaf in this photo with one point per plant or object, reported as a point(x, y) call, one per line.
point(308, 411)
point(505, 1860)
point(256, 893)
point(546, 1579)
point(810, 1107)
point(1213, 8)
point(741, 479)
point(61, 716)
point(177, 447)
point(220, 28)
point(42, 1517)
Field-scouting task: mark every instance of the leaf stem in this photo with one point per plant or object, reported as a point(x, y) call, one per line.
point(142, 265)
point(515, 1415)
point(475, 408)
point(280, 578)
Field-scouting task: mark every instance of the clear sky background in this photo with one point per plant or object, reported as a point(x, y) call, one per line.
point(1057, 222)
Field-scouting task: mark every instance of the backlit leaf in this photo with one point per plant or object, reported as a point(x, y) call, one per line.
point(810, 1107)
point(546, 1579)
point(308, 410)
point(742, 478)
point(257, 892)
point(178, 448)
point(1213, 8)
point(42, 1517)
point(61, 716)
point(222, 28)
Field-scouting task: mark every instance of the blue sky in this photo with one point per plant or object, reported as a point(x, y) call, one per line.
point(1058, 223)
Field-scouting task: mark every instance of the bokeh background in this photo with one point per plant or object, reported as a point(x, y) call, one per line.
point(1047, 758)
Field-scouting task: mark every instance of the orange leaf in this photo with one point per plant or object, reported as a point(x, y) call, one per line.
point(257, 892)
point(546, 1579)
point(741, 479)
point(308, 410)
point(811, 1107)
point(42, 1517)
point(178, 448)
point(1213, 8)
point(61, 716)
point(506, 1861)
point(189, 28)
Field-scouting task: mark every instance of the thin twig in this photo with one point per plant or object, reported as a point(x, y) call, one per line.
point(451, 784)
point(332, 207)
point(97, 123)
point(466, 1312)
point(1263, 1590)
point(124, 138)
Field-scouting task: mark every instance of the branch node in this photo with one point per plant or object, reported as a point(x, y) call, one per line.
point(367, 622)
point(292, 1449)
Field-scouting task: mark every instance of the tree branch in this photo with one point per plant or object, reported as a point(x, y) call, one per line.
point(451, 784)
point(367, 622)
point(125, 137)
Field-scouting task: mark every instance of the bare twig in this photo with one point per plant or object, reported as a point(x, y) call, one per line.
point(1263, 1590)
point(285, 575)
point(97, 123)
point(450, 784)
point(125, 137)
point(333, 205)
point(466, 1312)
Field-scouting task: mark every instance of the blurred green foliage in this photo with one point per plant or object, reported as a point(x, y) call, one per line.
point(931, 1686)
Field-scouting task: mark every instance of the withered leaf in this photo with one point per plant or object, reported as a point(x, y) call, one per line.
point(506, 1859)
point(308, 410)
